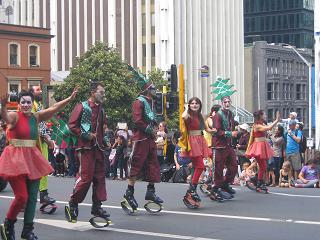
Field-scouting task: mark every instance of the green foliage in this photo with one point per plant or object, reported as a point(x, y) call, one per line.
point(173, 121)
point(156, 76)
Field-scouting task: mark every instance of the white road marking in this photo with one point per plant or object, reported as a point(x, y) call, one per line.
point(294, 195)
point(204, 214)
point(85, 226)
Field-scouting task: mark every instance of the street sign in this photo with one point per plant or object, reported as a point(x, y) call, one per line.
point(204, 71)
point(309, 142)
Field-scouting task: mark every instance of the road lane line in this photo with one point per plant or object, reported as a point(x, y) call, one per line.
point(203, 214)
point(294, 195)
point(85, 226)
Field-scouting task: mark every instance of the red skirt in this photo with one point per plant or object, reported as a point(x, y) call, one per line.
point(261, 150)
point(199, 147)
point(28, 161)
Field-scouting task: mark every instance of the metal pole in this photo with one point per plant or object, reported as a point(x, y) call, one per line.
point(164, 106)
point(181, 94)
point(310, 99)
point(258, 88)
point(310, 87)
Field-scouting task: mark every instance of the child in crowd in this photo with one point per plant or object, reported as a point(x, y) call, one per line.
point(249, 170)
point(309, 175)
point(285, 175)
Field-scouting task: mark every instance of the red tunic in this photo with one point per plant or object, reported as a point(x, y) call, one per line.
point(198, 144)
point(28, 161)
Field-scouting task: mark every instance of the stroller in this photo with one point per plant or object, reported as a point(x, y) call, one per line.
point(166, 172)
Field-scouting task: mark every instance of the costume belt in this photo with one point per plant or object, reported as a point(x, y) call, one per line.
point(260, 139)
point(23, 143)
point(195, 133)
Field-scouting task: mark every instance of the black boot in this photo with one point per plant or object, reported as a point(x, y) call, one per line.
point(216, 195)
point(226, 187)
point(193, 192)
point(71, 212)
point(151, 195)
point(261, 186)
point(27, 232)
point(45, 199)
point(98, 211)
point(130, 199)
point(7, 229)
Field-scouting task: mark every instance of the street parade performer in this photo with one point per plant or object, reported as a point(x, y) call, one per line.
point(22, 163)
point(86, 121)
point(194, 145)
point(259, 146)
point(44, 141)
point(144, 155)
point(223, 122)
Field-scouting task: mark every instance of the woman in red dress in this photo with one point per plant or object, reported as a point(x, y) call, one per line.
point(259, 146)
point(22, 163)
point(194, 146)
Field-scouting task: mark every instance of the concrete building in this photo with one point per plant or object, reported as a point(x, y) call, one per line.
point(198, 33)
point(279, 21)
point(148, 34)
point(25, 57)
point(276, 79)
point(317, 71)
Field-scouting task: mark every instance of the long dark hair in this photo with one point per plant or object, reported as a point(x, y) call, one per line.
point(214, 108)
point(198, 112)
point(281, 131)
point(257, 115)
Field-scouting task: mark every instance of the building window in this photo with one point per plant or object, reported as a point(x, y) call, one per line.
point(301, 91)
point(34, 56)
point(14, 54)
point(14, 87)
point(33, 83)
point(272, 91)
point(270, 115)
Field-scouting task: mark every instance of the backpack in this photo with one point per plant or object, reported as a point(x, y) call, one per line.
point(303, 144)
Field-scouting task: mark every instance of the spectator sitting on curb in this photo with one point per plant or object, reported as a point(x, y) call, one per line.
point(309, 175)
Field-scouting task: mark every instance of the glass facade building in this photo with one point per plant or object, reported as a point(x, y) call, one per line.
point(279, 21)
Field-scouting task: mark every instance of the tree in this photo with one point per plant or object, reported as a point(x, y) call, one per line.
point(104, 64)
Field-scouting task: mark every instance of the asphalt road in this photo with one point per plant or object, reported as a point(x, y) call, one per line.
point(283, 214)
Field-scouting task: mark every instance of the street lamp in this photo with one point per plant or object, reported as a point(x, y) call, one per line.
point(310, 83)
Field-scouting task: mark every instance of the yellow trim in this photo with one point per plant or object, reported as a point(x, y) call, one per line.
point(23, 143)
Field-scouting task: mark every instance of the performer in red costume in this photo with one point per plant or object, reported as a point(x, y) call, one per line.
point(144, 161)
point(225, 156)
point(22, 163)
point(259, 146)
point(194, 145)
point(86, 122)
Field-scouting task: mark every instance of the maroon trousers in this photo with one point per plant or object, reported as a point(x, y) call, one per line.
point(145, 161)
point(225, 157)
point(91, 170)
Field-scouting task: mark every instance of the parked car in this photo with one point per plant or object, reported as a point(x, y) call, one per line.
point(3, 184)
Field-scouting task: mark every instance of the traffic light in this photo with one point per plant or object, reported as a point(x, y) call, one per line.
point(172, 78)
point(159, 103)
point(172, 102)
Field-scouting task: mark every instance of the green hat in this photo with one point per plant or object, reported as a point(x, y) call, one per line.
point(143, 82)
point(222, 89)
